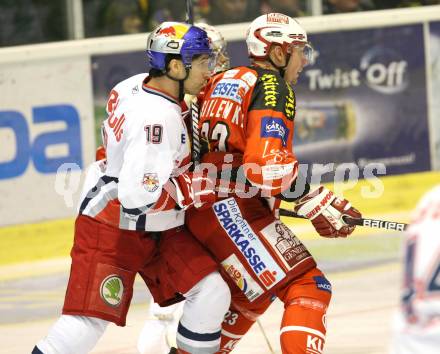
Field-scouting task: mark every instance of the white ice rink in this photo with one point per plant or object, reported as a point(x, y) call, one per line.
point(359, 319)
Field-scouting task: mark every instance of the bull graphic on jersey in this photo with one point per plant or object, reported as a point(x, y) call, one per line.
point(151, 182)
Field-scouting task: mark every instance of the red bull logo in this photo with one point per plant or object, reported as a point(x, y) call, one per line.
point(176, 31)
point(150, 182)
point(168, 31)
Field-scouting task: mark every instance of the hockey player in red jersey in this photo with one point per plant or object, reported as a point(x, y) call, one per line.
point(246, 128)
point(131, 214)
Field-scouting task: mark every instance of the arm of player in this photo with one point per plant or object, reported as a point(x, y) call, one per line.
point(268, 157)
point(269, 162)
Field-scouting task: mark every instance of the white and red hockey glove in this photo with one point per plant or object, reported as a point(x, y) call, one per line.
point(194, 189)
point(326, 211)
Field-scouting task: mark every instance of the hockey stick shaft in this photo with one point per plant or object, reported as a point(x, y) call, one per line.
point(193, 106)
point(194, 116)
point(189, 12)
point(376, 223)
point(266, 338)
point(382, 224)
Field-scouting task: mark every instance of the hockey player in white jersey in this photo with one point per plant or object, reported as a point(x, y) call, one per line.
point(157, 335)
point(131, 220)
point(417, 323)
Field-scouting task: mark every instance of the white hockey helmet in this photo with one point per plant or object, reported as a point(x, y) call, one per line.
point(219, 46)
point(276, 28)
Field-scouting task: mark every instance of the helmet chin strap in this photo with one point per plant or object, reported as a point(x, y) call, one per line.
point(180, 81)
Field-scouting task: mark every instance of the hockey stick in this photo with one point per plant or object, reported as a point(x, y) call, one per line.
point(381, 224)
point(265, 336)
point(194, 115)
point(193, 106)
point(189, 12)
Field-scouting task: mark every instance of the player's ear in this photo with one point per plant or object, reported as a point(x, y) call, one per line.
point(177, 69)
point(276, 54)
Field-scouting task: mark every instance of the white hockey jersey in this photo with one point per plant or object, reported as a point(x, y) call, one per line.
point(417, 325)
point(146, 140)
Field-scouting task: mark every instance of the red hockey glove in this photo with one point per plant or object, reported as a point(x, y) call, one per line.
point(326, 211)
point(100, 153)
point(195, 189)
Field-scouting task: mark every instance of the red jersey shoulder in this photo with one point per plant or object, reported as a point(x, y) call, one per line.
point(272, 92)
point(233, 84)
